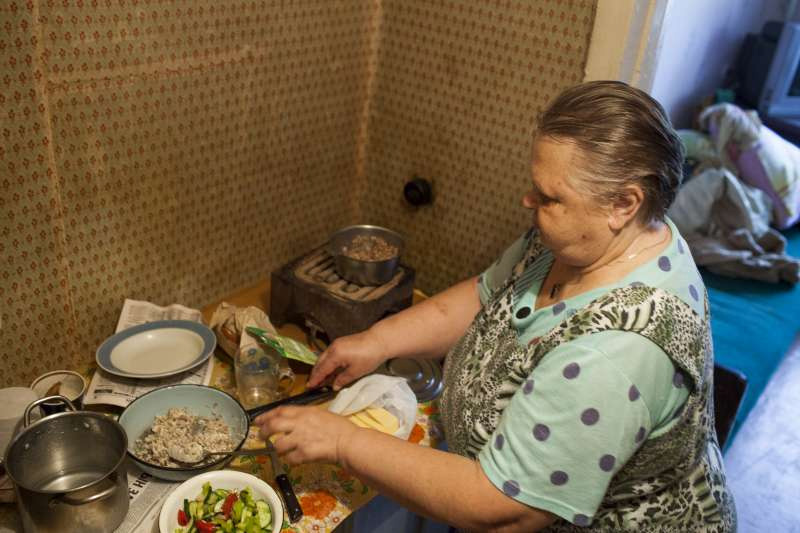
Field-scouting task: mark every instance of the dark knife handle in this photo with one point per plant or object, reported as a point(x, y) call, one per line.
point(293, 508)
point(309, 396)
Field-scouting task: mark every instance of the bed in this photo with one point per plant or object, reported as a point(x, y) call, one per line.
point(753, 326)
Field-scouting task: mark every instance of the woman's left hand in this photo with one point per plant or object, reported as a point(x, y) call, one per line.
point(307, 434)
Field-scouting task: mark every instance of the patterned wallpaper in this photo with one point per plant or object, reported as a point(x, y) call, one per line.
point(168, 150)
point(457, 92)
point(177, 150)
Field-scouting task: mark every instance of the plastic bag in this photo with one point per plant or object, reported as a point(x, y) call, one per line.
point(379, 391)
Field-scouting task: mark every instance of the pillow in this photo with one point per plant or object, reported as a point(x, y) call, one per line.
point(760, 157)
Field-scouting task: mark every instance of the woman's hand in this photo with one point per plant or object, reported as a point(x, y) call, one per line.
point(308, 434)
point(352, 357)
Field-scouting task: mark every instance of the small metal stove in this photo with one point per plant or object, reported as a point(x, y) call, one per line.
point(308, 292)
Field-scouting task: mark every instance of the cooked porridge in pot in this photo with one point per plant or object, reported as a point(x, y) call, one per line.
point(183, 436)
point(370, 248)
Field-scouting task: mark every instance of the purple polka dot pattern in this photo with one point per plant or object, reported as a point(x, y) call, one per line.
point(606, 463)
point(633, 393)
point(527, 388)
point(560, 306)
point(664, 264)
point(581, 520)
point(523, 312)
point(572, 370)
point(677, 379)
point(499, 440)
point(590, 416)
point(541, 432)
point(640, 435)
point(559, 477)
point(511, 487)
point(680, 246)
point(694, 293)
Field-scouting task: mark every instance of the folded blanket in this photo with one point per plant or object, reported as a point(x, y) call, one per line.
point(726, 224)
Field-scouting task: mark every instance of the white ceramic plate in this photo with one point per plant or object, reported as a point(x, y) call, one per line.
point(221, 479)
point(156, 349)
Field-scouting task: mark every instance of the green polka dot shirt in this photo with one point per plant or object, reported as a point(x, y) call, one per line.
point(590, 403)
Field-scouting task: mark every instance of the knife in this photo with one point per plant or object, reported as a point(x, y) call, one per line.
point(307, 397)
point(293, 508)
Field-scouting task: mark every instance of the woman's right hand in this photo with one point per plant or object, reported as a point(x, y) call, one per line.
point(347, 359)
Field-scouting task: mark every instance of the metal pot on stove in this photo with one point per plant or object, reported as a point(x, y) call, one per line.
point(68, 471)
point(364, 268)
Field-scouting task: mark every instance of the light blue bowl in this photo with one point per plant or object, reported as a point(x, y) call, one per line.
point(197, 399)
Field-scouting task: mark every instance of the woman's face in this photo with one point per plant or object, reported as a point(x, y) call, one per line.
point(572, 225)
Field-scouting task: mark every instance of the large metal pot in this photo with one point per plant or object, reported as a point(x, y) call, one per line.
point(68, 471)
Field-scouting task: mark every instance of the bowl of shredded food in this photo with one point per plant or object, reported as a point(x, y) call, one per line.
point(225, 501)
point(169, 428)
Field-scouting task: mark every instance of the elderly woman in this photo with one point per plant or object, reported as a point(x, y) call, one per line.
point(578, 375)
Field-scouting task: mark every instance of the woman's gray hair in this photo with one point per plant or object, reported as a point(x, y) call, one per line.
point(624, 137)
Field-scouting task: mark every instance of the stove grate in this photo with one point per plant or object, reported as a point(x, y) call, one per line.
point(318, 269)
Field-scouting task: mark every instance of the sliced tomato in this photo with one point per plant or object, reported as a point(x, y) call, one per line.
point(182, 518)
point(205, 527)
point(228, 504)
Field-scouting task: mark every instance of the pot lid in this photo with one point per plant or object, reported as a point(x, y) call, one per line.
point(424, 376)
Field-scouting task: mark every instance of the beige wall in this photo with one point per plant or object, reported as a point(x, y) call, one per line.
point(169, 151)
point(175, 151)
point(456, 94)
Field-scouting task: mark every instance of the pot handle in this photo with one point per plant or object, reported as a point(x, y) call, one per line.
point(102, 495)
point(311, 334)
point(26, 419)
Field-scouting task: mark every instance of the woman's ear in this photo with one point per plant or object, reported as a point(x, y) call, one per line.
point(625, 206)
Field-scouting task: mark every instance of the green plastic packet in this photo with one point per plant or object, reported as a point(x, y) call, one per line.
point(287, 347)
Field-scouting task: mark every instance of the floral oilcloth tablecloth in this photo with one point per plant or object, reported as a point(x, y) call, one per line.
point(326, 493)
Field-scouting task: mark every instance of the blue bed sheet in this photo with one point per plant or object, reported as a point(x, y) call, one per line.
point(753, 324)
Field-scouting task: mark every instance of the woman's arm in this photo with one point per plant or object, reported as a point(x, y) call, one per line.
point(444, 486)
point(430, 328)
point(425, 330)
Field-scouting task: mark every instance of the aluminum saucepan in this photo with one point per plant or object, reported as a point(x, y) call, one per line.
point(199, 400)
point(366, 273)
point(68, 471)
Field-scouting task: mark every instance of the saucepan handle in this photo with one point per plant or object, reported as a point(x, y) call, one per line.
point(314, 329)
point(309, 396)
point(26, 419)
point(97, 496)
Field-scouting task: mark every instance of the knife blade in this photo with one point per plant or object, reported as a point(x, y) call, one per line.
point(293, 508)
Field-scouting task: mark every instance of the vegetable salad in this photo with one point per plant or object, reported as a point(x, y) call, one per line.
point(224, 511)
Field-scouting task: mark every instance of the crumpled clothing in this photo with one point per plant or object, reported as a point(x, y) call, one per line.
point(726, 224)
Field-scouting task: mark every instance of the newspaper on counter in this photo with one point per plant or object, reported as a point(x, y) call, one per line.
point(146, 494)
point(108, 389)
